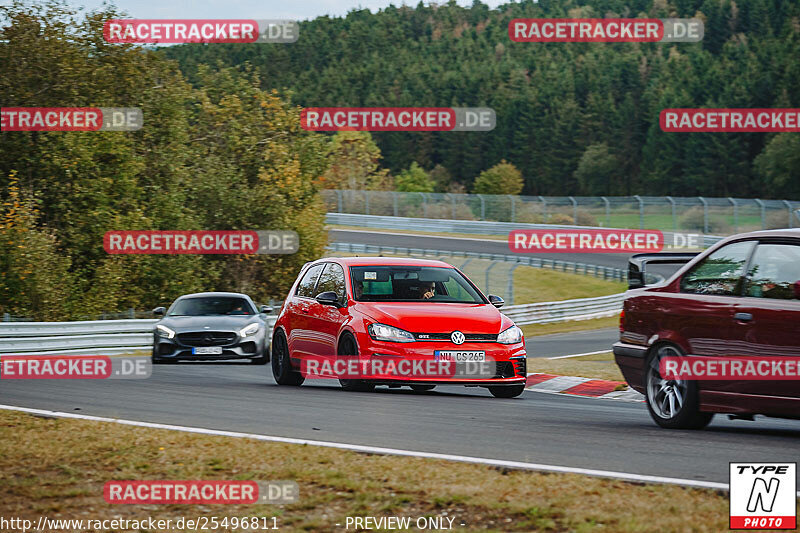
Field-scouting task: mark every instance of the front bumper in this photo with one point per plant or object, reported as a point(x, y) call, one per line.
point(241, 348)
point(510, 361)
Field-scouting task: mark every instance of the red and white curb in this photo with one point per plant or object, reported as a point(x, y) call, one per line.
point(592, 388)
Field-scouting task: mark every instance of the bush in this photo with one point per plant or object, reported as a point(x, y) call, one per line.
point(693, 220)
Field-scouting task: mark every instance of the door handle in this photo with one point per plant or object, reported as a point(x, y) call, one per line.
point(743, 317)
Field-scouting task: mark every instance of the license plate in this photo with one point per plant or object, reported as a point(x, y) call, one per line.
point(207, 350)
point(459, 357)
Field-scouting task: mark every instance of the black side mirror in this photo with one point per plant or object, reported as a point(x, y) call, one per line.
point(328, 298)
point(159, 311)
point(496, 301)
point(265, 309)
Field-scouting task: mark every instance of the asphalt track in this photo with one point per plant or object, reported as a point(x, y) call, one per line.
point(571, 343)
point(537, 427)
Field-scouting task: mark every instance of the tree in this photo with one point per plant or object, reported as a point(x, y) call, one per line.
point(779, 166)
point(414, 179)
point(503, 178)
point(354, 163)
point(597, 170)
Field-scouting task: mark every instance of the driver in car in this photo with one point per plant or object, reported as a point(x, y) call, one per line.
point(427, 291)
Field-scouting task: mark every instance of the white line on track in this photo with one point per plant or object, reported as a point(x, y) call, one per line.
point(579, 354)
point(638, 478)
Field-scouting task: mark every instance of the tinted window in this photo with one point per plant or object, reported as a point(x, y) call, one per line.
point(306, 286)
point(774, 272)
point(205, 306)
point(409, 283)
point(332, 280)
point(720, 273)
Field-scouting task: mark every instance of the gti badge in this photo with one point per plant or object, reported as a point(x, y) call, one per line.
point(457, 337)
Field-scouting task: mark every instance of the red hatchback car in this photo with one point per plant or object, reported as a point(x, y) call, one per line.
point(739, 298)
point(381, 310)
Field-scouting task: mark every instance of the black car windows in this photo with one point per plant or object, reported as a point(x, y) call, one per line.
point(332, 280)
point(774, 272)
point(211, 305)
point(306, 286)
point(719, 273)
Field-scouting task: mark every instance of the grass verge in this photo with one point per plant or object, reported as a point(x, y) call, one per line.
point(57, 467)
point(597, 366)
point(532, 330)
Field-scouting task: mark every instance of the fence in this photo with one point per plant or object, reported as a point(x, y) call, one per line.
point(719, 216)
point(112, 337)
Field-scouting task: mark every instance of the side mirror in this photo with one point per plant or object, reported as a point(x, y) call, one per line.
point(496, 301)
point(159, 311)
point(265, 309)
point(328, 298)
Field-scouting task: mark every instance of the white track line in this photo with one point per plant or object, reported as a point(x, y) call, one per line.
point(638, 478)
point(578, 354)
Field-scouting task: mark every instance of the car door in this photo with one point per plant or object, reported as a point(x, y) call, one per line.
point(768, 314)
point(299, 308)
point(325, 321)
point(702, 313)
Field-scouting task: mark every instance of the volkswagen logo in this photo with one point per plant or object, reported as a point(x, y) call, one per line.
point(457, 337)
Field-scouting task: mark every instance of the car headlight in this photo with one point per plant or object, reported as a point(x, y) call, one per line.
point(511, 335)
point(382, 332)
point(248, 330)
point(164, 331)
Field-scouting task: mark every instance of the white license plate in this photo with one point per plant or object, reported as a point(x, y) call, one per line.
point(459, 357)
point(207, 350)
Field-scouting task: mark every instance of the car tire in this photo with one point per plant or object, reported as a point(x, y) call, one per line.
point(281, 363)
point(506, 391)
point(348, 348)
point(422, 388)
point(673, 404)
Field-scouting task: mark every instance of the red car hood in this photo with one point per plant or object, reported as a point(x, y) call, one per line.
point(437, 317)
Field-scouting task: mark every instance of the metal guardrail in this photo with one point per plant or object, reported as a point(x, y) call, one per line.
point(598, 271)
point(111, 337)
point(567, 310)
point(106, 337)
point(474, 227)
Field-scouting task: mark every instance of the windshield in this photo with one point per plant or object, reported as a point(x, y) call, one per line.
point(412, 284)
point(212, 305)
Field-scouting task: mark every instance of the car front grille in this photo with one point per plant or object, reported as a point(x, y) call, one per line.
point(468, 337)
point(207, 338)
point(505, 369)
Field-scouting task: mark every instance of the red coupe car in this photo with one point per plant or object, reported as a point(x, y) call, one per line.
point(403, 322)
point(738, 299)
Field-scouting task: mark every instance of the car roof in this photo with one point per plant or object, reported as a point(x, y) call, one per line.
point(389, 261)
point(214, 294)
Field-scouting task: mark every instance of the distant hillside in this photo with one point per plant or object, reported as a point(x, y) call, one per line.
point(559, 106)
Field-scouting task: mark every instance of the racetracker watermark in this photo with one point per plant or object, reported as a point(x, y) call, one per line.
point(398, 119)
point(730, 368)
point(445, 365)
point(730, 120)
point(71, 119)
point(200, 492)
point(201, 242)
point(598, 241)
point(165, 31)
point(612, 30)
point(74, 367)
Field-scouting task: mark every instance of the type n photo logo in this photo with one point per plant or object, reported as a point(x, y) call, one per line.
point(763, 495)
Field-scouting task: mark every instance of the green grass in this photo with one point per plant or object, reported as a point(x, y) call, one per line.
point(597, 366)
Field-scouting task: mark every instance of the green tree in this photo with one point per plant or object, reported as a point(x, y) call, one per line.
point(414, 179)
point(597, 170)
point(354, 163)
point(503, 178)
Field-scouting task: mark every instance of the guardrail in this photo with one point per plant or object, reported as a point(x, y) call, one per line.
point(474, 227)
point(113, 337)
point(566, 310)
point(598, 271)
